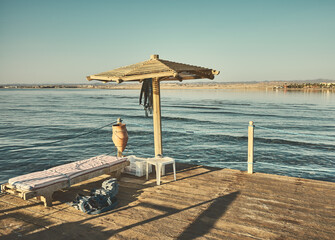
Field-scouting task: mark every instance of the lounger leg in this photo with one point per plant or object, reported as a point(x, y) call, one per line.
point(118, 174)
point(47, 200)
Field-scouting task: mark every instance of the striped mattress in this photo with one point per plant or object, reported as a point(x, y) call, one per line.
point(63, 173)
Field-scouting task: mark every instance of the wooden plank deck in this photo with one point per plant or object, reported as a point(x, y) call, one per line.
point(204, 203)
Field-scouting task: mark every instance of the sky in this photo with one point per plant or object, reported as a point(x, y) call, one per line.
point(63, 41)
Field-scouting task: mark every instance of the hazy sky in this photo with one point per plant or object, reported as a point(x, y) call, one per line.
point(63, 41)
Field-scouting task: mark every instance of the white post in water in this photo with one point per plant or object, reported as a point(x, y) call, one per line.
point(251, 147)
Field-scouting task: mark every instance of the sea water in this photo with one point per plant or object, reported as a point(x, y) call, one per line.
point(294, 131)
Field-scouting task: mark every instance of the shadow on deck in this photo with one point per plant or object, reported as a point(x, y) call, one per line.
point(203, 202)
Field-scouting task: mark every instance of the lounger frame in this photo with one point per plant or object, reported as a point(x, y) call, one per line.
point(44, 194)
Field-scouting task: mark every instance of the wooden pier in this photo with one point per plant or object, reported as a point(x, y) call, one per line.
point(204, 203)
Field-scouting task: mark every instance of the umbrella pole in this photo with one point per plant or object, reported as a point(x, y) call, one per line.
point(156, 98)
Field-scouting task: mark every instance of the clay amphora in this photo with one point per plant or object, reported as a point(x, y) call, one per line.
point(120, 136)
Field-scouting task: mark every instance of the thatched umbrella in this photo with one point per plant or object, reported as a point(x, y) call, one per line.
point(158, 70)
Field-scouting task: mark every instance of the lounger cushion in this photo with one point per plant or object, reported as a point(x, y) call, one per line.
point(66, 172)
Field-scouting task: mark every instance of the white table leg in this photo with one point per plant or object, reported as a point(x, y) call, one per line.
point(174, 171)
point(147, 170)
point(158, 173)
point(163, 170)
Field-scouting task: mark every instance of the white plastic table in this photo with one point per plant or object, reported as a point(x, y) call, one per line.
point(160, 163)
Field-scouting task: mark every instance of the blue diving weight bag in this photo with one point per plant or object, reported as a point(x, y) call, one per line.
point(100, 200)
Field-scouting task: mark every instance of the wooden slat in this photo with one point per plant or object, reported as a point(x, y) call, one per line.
point(204, 203)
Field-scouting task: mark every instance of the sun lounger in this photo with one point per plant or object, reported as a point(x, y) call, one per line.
point(43, 184)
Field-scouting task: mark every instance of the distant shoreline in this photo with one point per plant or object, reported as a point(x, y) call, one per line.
point(176, 85)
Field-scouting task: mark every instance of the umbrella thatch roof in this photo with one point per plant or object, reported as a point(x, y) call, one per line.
point(155, 68)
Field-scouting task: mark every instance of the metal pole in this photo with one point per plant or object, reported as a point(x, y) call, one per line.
point(157, 116)
point(251, 147)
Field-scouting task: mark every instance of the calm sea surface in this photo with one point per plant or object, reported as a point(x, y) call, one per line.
point(294, 133)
